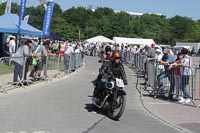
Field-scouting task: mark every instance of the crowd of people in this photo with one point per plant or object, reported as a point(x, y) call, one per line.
point(35, 52)
point(176, 69)
point(98, 49)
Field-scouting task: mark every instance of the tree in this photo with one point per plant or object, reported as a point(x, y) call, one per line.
point(181, 26)
point(107, 22)
point(15, 8)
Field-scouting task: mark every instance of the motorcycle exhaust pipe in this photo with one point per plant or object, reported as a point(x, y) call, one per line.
point(102, 102)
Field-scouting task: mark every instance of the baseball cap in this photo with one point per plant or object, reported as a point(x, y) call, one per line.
point(158, 50)
point(147, 47)
point(153, 45)
point(13, 37)
point(166, 51)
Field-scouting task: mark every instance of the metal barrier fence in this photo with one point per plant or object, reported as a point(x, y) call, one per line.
point(13, 75)
point(167, 82)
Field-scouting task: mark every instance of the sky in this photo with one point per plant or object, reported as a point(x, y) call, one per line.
point(169, 8)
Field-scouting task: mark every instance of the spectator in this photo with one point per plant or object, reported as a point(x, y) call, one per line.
point(62, 50)
point(177, 74)
point(47, 44)
point(132, 53)
point(55, 47)
point(145, 51)
point(166, 61)
point(40, 53)
point(185, 70)
point(124, 55)
point(81, 49)
point(19, 60)
point(12, 45)
point(36, 42)
point(115, 48)
point(67, 54)
point(133, 49)
point(151, 53)
point(30, 44)
point(158, 58)
point(128, 52)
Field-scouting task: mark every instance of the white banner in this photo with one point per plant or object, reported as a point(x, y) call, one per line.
point(8, 7)
point(26, 18)
point(41, 2)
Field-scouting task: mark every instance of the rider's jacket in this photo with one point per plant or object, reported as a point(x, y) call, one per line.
point(115, 69)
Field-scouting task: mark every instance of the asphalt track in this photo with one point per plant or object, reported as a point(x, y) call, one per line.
point(64, 107)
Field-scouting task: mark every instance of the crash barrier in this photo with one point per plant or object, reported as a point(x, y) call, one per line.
point(52, 66)
point(160, 82)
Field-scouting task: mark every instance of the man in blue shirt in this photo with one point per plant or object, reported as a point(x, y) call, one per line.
point(166, 61)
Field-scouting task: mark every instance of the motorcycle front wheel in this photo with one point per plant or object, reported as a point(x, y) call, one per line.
point(116, 112)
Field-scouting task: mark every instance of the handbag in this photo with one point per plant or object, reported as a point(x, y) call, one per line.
point(34, 62)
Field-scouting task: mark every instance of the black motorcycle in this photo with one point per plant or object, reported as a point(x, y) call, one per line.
point(110, 97)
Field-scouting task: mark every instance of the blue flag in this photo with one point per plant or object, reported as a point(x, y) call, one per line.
point(21, 13)
point(47, 19)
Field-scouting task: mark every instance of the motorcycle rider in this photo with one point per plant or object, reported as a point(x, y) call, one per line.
point(114, 67)
point(117, 68)
point(107, 54)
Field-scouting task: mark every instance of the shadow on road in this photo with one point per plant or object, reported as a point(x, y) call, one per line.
point(91, 108)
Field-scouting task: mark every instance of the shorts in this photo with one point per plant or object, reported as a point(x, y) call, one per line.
point(39, 66)
point(62, 52)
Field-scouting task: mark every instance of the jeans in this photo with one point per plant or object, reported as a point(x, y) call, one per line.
point(166, 74)
point(125, 57)
point(186, 93)
point(178, 85)
point(75, 61)
point(18, 71)
point(66, 62)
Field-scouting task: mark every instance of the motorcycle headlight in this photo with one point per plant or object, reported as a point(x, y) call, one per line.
point(110, 85)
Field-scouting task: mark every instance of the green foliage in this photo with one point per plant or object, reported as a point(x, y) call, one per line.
point(104, 21)
point(15, 8)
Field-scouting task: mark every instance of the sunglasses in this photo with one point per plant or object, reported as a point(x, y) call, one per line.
point(117, 58)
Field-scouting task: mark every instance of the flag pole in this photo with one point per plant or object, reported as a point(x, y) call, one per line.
point(21, 14)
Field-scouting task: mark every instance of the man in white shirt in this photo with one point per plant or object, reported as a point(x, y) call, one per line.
point(77, 50)
point(158, 58)
point(68, 52)
point(12, 45)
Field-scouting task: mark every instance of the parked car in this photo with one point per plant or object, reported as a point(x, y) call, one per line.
point(176, 49)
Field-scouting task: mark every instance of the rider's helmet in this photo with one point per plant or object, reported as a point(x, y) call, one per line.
point(108, 49)
point(116, 55)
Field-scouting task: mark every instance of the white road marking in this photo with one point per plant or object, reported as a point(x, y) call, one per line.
point(158, 103)
point(33, 132)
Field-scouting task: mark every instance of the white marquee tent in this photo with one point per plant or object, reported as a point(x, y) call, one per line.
point(134, 41)
point(99, 39)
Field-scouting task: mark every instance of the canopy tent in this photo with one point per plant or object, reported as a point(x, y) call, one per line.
point(134, 41)
point(9, 24)
point(55, 37)
point(99, 39)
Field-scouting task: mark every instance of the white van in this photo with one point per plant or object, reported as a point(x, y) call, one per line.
point(177, 49)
